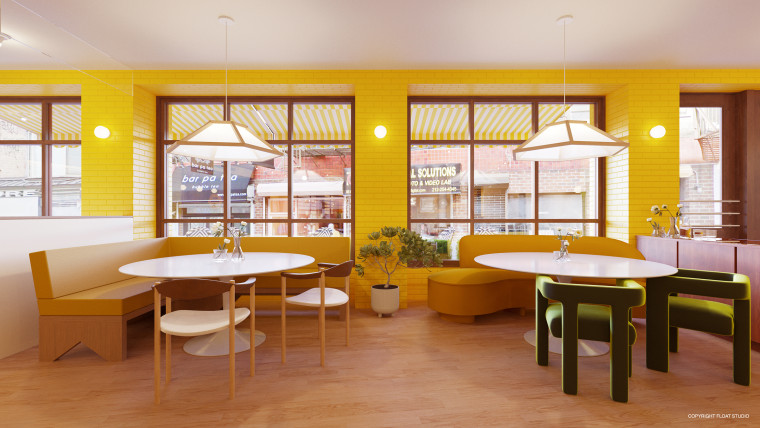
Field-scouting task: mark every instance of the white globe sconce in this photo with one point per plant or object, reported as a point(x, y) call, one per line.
point(657, 131)
point(102, 132)
point(380, 131)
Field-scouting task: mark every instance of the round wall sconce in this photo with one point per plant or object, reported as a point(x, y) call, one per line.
point(380, 131)
point(102, 132)
point(657, 132)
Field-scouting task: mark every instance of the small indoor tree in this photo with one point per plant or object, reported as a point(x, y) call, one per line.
point(392, 247)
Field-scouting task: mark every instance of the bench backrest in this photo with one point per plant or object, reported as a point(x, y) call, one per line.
point(65, 271)
point(323, 249)
point(471, 246)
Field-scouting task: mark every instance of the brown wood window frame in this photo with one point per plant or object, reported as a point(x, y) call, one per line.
point(162, 115)
point(599, 119)
point(45, 141)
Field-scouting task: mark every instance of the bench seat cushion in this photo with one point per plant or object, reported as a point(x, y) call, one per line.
point(477, 291)
point(117, 298)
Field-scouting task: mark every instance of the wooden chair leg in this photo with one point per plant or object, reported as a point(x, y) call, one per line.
point(322, 321)
point(252, 308)
point(282, 320)
point(232, 339)
point(348, 309)
point(156, 347)
point(168, 338)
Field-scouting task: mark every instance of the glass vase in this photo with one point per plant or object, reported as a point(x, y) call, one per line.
point(562, 255)
point(219, 256)
point(674, 231)
point(237, 252)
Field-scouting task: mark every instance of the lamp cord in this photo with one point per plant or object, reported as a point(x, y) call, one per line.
point(564, 69)
point(226, 24)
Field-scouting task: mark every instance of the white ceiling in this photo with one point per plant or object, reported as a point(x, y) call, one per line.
point(380, 34)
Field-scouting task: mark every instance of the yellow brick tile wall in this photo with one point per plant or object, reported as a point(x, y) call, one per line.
point(144, 164)
point(117, 173)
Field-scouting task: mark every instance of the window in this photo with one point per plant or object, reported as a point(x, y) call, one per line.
point(463, 178)
point(40, 157)
point(306, 192)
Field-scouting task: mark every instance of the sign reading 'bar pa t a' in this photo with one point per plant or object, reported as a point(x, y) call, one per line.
point(435, 179)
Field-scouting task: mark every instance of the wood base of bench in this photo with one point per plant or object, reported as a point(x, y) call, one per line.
point(104, 334)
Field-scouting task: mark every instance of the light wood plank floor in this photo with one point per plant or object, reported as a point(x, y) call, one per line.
point(409, 370)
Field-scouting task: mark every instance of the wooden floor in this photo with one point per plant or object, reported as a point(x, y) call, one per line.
point(408, 370)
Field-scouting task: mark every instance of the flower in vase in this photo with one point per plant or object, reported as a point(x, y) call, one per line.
point(655, 210)
point(223, 244)
point(217, 229)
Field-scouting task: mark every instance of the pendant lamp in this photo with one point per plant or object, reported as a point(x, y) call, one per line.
point(224, 140)
point(566, 140)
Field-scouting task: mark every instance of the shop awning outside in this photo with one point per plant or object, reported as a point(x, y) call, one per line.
point(67, 124)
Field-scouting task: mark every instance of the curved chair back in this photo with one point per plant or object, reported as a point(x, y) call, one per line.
point(192, 289)
point(338, 270)
point(627, 293)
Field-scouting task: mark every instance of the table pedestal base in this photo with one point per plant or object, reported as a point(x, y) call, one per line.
point(586, 348)
point(215, 344)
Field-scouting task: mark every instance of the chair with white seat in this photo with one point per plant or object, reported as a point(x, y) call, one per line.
point(195, 323)
point(319, 297)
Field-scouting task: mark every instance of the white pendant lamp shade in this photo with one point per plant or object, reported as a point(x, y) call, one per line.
point(569, 140)
point(222, 140)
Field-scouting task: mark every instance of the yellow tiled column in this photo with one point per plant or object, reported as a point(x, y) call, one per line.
point(381, 169)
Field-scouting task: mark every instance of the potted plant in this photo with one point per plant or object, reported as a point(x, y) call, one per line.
point(390, 248)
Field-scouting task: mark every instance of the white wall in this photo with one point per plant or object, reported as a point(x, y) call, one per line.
point(21, 236)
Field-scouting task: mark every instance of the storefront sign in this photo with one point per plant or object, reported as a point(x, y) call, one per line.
point(191, 186)
point(435, 179)
point(203, 166)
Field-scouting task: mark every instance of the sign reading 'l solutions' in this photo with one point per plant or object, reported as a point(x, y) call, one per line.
point(435, 179)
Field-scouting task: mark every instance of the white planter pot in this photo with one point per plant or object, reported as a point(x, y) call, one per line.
point(384, 300)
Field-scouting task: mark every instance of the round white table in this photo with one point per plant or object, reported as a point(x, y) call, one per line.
point(579, 265)
point(202, 266)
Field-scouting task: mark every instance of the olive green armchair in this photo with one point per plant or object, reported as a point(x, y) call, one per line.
point(667, 312)
point(590, 312)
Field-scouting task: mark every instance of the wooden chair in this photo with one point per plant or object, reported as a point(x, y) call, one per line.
point(667, 312)
point(590, 312)
point(195, 323)
point(319, 297)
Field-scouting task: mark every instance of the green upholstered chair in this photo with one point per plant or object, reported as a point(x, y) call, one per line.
point(590, 312)
point(667, 312)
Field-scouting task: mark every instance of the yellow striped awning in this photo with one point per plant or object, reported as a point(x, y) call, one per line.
point(493, 121)
point(310, 121)
point(67, 119)
point(322, 121)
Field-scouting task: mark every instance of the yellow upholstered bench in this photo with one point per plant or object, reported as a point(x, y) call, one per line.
point(459, 294)
point(82, 296)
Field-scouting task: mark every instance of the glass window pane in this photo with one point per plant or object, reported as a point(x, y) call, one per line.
point(190, 229)
point(701, 134)
point(321, 181)
point(265, 194)
point(266, 121)
point(503, 121)
point(195, 189)
point(67, 122)
point(589, 229)
point(438, 181)
point(20, 121)
point(66, 180)
point(20, 188)
point(568, 189)
point(322, 229)
point(186, 118)
point(440, 122)
point(549, 113)
point(504, 229)
point(322, 121)
point(503, 186)
point(445, 235)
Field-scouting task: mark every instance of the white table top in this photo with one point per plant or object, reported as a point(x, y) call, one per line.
point(202, 265)
point(579, 265)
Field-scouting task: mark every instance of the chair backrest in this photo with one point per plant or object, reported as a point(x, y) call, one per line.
point(192, 289)
point(628, 294)
point(340, 270)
